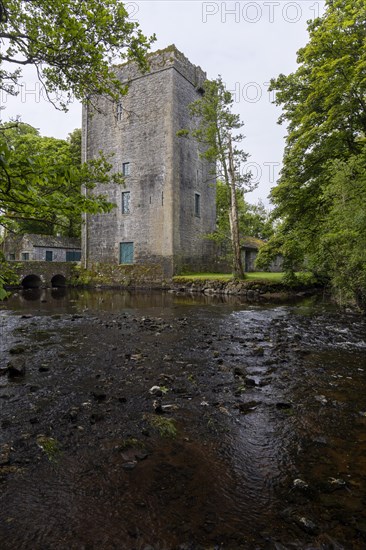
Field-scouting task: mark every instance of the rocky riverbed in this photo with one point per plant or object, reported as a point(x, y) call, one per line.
point(155, 421)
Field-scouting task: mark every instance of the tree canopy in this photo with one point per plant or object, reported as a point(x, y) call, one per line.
point(324, 106)
point(72, 44)
point(41, 179)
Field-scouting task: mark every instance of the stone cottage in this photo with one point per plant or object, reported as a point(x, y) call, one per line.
point(167, 204)
point(249, 251)
point(32, 247)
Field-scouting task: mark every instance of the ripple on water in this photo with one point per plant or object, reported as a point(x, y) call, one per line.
point(222, 487)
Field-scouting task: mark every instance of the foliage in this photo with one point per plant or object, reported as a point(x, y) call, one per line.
point(74, 141)
point(342, 248)
point(71, 44)
point(40, 182)
point(3, 292)
point(215, 128)
point(7, 277)
point(324, 163)
point(254, 220)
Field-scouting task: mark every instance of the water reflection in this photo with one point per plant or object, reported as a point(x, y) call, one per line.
point(29, 295)
point(67, 300)
point(58, 293)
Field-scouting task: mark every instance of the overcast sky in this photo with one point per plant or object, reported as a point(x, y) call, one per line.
point(247, 43)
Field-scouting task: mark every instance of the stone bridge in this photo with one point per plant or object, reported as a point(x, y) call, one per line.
point(43, 274)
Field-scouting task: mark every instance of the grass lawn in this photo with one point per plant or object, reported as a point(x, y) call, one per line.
point(255, 276)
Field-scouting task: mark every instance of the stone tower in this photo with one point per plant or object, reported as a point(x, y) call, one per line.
point(167, 204)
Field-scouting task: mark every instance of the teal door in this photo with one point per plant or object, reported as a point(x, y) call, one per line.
point(126, 253)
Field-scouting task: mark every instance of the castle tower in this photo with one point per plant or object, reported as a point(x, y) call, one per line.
point(167, 204)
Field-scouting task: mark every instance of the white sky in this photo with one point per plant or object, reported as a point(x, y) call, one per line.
point(248, 43)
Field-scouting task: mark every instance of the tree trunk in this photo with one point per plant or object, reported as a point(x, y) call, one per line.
point(238, 270)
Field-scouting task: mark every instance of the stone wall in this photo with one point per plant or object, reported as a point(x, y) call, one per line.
point(45, 271)
point(120, 276)
point(165, 170)
point(250, 290)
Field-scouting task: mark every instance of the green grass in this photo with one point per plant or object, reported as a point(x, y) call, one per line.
point(255, 276)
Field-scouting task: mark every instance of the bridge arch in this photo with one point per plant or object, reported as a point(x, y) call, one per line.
point(58, 281)
point(31, 281)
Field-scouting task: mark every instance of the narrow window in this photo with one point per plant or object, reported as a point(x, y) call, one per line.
point(49, 256)
point(11, 257)
point(126, 253)
point(119, 111)
point(197, 205)
point(73, 255)
point(126, 169)
point(126, 202)
point(162, 199)
point(25, 256)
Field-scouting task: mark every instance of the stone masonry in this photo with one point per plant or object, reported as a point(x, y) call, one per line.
point(167, 204)
point(39, 248)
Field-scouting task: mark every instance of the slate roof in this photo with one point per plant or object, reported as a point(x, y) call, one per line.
point(252, 243)
point(49, 241)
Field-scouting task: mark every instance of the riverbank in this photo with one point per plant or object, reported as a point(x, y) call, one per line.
point(252, 290)
point(256, 287)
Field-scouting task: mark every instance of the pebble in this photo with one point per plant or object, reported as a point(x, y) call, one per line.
point(300, 484)
point(283, 405)
point(99, 396)
point(306, 525)
point(17, 350)
point(129, 465)
point(238, 371)
point(248, 407)
point(4, 454)
point(16, 368)
point(156, 390)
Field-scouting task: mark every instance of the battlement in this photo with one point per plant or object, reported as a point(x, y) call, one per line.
point(162, 60)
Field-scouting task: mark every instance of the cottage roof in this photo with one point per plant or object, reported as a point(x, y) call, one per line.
point(47, 241)
point(251, 243)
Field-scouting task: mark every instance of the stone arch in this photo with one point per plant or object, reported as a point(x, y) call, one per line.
point(58, 281)
point(31, 281)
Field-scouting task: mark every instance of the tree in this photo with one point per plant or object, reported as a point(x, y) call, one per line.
point(26, 143)
point(257, 221)
point(40, 181)
point(342, 249)
point(324, 105)
point(72, 44)
point(215, 130)
point(254, 220)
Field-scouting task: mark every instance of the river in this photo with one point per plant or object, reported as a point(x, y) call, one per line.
point(155, 421)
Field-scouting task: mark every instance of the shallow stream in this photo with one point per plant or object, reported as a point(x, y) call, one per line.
point(253, 437)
